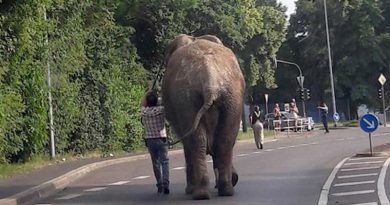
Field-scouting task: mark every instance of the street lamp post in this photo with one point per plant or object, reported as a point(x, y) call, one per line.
point(266, 103)
point(330, 62)
point(300, 79)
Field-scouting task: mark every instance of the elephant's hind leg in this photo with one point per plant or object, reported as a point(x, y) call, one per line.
point(225, 138)
point(195, 153)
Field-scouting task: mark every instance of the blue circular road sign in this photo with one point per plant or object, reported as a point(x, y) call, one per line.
point(336, 117)
point(369, 123)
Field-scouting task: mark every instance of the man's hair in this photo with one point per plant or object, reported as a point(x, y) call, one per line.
point(256, 108)
point(151, 99)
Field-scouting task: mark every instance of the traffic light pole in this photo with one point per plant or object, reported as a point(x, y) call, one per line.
point(383, 104)
point(300, 77)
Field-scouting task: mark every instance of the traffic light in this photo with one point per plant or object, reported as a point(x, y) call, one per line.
point(380, 93)
point(307, 94)
point(302, 94)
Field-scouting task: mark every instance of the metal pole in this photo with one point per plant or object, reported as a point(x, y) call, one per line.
point(51, 121)
point(371, 151)
point(300, 75)
point(384, 107)
point(330, 62)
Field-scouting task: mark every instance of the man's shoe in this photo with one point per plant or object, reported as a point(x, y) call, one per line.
point(261, 146)
point(166, 190)
point(159, 190)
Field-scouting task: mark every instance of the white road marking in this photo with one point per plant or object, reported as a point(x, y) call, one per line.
point(69, 196)
point(354, 183)
point(141, 177)
point(362, 158)
point(357, 175)
point(360, 168)
point(358, 163)
point(353, 193)
point(242, 155)
point(325, 189)
point(371, 203)
point(178, 168)
point(305, 144)
point(292, 146)
point(95, 189)
point(381, 184)
point(269, 150)
point(256, 152)
point(119, 183)
point(279, 148)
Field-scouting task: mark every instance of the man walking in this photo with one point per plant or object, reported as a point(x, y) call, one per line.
point(153, 119)
point(324, 112)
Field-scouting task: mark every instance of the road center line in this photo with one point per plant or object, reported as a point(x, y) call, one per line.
point(357, 175)
point(178, 168)
point(256, 152)
point(242, 155)
point(95, 189)
point(325, 189)
point(381, 184)
point(141, 177)
point(269, 150)
point(69, 196)
point(354, 183)
point(360, 168)
point(358, 163)
point(119, 183)
point(353, 193)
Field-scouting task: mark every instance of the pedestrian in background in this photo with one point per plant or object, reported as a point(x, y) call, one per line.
point(153, 119)
point(257, 126)
point(324, 113)
point(277, 116)
point(294, 110)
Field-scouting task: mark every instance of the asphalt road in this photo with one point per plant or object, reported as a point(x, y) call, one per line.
point(290, 171)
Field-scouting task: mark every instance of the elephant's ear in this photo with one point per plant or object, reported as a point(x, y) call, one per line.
point(180, 41)
point(211, 38)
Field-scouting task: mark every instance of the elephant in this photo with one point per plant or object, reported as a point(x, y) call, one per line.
point(202, 92)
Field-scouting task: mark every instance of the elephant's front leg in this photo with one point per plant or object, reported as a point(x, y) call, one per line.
point(195, 153)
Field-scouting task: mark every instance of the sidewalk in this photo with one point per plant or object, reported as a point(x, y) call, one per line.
point(30, 187)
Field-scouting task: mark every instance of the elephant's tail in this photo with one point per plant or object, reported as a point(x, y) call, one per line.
point(207, 104)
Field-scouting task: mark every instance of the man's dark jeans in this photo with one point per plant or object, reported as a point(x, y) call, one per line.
point(158, 149)
point(325, 122)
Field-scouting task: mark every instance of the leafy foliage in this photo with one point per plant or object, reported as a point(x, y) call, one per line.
point(101, 55)
point(358, 31)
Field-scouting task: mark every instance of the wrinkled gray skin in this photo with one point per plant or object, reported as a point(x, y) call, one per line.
point(203, 90)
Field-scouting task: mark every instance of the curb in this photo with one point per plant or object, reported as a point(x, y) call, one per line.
point(55, 185)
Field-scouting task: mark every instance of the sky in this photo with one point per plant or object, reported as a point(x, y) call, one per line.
point(290, 6)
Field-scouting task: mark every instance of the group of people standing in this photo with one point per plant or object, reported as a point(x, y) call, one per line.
point(257, 119)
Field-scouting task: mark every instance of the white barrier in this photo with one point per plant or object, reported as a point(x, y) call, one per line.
point(288, 124)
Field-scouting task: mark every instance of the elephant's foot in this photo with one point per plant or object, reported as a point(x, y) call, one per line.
point(201, 194)
point(225, 190)
point(234, 178)
point(189, 189)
